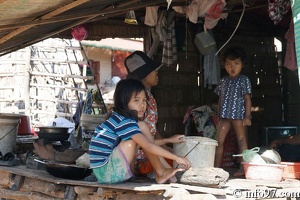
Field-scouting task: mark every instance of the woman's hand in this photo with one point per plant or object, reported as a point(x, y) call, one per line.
point(176, 139)
point(183, 162)
point(274, 144)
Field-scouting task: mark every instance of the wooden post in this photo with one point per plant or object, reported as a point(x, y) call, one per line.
point(26, 72)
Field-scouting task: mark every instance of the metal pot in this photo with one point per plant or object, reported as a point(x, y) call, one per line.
point(270, 155)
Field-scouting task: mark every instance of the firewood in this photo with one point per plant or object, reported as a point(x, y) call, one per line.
point(85, 190)
point(47, 152)
point(24, 195)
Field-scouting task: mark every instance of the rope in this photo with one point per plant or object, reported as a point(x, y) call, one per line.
point(9, 131)
point(244, 5)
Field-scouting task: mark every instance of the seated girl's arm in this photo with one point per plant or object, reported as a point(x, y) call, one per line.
point(174, 140)
point(152, 148)
point(161, 141)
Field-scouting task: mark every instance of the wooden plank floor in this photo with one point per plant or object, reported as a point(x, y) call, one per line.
point(20, 182)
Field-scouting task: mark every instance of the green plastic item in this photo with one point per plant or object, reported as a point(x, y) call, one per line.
point(251, 156)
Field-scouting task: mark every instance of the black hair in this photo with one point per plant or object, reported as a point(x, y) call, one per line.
point(123, 92)
point(233, 53)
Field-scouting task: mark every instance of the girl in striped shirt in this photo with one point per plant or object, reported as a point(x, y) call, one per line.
point(115, 141)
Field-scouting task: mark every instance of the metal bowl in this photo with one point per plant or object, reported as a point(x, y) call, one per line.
point(53, 136)
point(270, 155)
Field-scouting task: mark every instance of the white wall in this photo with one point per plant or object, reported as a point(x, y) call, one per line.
point(104, 56)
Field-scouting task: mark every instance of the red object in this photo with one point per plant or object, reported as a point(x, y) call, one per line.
point(79, 32)
point(169, 161)
point(292, 170)
point(145, 167)
point(216, 10)
point(24, 126)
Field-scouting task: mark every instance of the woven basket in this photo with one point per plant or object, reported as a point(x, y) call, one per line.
point(292, 170)
point(271, 172)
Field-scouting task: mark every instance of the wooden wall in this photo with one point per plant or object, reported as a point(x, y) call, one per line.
point(177, 90)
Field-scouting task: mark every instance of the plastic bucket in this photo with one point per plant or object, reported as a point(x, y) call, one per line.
point(9, 124)
point(24, 126)
point(199, 150)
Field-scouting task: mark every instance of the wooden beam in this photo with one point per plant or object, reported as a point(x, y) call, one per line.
point(58, 86)
point(214, 191)
point(47, 16)
point(68, 17)
point(115, 11)
point(24, 195)
point(18, 181)
point(57, 75)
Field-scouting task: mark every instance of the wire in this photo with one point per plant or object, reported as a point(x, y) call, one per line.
point(244, 6)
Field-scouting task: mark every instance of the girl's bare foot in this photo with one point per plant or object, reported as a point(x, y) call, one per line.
point(167, 175)
point(173, 179)
point(239, 172)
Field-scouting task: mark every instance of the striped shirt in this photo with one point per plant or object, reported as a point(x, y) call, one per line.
point(232, 92)
point(108, 135)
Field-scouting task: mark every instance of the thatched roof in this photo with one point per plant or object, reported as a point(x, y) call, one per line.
point(23, 23)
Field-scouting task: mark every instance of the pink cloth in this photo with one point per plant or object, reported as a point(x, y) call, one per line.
point(211, 10)
point(290, 61)
point(278, 8)
point(79, 32)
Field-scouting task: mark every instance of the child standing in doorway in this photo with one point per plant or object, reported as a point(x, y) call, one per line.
point(115, 142)
point(234, 92)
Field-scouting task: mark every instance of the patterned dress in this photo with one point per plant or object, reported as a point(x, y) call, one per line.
point(142, 164)
point(152, 115)
point(232, 92)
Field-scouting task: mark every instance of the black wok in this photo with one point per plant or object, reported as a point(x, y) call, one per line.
point(67, 171)
point(53, 129)
point(53, 136)
point(53, 133)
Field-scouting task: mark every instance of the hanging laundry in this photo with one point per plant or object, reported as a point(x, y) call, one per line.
point(211, 10)
point(290, 61)
point(296, 13)
point(151, 15)
point(169, 57)
point(278, 8)
point(79, 32)
point(214, 14)
point(211, 67)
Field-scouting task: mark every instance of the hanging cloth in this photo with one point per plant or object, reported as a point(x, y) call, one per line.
point(278, 8)
point(290, 55)
point(169, 57)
